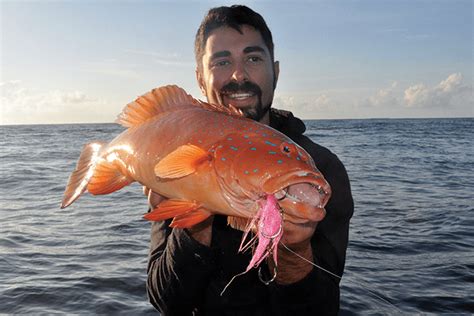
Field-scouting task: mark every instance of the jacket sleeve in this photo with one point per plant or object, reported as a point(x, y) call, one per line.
point(332, 234)
point(318, 293)
point(178, 270)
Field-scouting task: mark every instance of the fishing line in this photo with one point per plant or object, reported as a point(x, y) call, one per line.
point(340, 278)
point(310, 262)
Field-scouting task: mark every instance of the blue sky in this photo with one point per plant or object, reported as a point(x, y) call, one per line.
point(82, 61)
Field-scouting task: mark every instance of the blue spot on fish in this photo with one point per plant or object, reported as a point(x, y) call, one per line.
point(280, 161)
point(270, 143)
point(246, 136)
point(272, 152)
point(229, 138)
point(255, 170)
point(253, 148)
point(233, 148)
point(223, 159)
point(246, 172)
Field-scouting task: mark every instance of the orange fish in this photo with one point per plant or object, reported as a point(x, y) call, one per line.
point(206, 159)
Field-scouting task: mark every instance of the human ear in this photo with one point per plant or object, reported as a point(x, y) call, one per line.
point(200, 81)
point(276, 73)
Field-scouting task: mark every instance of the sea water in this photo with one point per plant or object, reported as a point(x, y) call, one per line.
point(411, 236)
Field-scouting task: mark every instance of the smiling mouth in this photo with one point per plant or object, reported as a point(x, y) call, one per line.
point(239, 96)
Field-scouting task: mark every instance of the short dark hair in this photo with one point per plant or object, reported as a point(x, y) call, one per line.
point(234, 17)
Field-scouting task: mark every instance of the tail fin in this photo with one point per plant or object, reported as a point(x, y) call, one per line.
point(80, 177)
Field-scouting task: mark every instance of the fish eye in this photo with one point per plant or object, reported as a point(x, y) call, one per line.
point(287, 148)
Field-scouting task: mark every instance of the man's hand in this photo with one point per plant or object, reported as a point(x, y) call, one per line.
point(153, 198)
point(297, 237)
point(201, 232)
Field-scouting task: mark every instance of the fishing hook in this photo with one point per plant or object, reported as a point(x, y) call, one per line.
point(267, 282)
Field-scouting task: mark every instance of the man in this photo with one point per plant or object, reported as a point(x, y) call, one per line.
point(189, 268)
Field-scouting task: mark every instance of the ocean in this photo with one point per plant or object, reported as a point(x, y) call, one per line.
point(411, 237)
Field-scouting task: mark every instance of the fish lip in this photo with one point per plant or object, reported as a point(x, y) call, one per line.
point(278, 183)
point(284, 180)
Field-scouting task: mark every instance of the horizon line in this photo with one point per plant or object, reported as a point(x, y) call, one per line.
point(303, 119)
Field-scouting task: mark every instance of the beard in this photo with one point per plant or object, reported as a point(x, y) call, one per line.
point(255, 112)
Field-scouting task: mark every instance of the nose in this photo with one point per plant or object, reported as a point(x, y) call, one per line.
point(240, 73)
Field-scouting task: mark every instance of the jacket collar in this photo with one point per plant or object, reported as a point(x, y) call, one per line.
point(285, 122)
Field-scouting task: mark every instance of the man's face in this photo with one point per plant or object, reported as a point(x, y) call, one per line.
point(237, 70)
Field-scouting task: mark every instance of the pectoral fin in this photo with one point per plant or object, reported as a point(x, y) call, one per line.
point(181, 162)
point(184, 213)
point(107, 178)
point(191, 218)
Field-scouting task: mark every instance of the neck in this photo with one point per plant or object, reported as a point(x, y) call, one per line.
point(266, 118)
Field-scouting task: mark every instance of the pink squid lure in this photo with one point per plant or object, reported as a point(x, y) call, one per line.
point(269, 223)
point(270, 229)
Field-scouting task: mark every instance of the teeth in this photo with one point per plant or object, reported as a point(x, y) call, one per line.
point(283, 194)
point(292, 197)
point(280, 195)
point(239, 96)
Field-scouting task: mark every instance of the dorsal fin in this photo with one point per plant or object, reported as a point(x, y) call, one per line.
point(163, 99)
point(231, 110)
point(151, 104)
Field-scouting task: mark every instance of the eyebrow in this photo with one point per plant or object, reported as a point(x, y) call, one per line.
point(252, 49)
point(223, 53)
point(247, 50)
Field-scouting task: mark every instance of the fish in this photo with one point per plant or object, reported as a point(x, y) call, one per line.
point(205, 159)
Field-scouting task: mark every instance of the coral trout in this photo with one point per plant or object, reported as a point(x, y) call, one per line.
point(205, 159)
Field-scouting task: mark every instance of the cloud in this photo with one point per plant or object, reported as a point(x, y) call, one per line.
point(314, 105)
point(385, 97)
point(452, 96)
point(23, 105)
point(303, 103)
point(448, 93)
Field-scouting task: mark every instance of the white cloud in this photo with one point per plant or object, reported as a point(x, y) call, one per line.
point(314, 105)
point(451, 97)
point(23, 105)
point(448, 93)
point(385, 97)
point(322, 101)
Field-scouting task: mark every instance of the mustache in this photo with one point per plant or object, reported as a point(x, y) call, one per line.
point(246, 86)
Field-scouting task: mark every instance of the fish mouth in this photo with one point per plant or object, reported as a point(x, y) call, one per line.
point(302, 195)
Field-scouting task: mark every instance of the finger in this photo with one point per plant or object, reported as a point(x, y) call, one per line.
point(154, 199)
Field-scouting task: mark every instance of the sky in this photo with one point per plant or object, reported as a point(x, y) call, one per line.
point(83, 61)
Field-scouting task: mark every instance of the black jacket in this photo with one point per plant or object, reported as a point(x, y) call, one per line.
point(186, 277)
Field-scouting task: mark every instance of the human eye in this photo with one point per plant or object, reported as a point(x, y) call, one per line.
point(221, 63)
point(255, 59)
